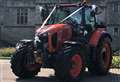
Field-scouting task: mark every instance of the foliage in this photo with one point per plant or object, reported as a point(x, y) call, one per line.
point(6, 52)
point(116, 62)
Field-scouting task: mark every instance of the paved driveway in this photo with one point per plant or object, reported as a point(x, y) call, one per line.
point(47, 75)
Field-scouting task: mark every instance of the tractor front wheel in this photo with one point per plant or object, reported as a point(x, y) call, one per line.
point(69, 67)
point(20, 67)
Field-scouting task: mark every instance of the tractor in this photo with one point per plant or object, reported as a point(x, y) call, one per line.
point(70, 40)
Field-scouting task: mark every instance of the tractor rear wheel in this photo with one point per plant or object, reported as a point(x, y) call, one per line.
point(20, 68)
point(69, 67)
point(100, 61)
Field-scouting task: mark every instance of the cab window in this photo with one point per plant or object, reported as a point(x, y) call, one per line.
point(88, 18)
point(77, 16)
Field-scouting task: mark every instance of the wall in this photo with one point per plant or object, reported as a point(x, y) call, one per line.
point(113, 21)
point(12, 32)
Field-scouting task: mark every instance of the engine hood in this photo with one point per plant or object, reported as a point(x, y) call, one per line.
point(54, 35)
point(51, 28)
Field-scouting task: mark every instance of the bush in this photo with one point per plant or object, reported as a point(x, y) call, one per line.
point(6, 52)
point(116, 62)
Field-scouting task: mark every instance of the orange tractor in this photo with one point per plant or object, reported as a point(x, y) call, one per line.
point(69, 40)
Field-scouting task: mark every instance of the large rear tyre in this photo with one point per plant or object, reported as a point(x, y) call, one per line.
point(19, 66)
point(69, 67)
point(100, 61)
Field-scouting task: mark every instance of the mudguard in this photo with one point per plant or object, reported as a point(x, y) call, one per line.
point(99, 33)
point(25, 43)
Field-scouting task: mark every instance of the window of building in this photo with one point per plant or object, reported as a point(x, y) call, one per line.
point(116, 7)
point(22, 16)
point(116, 32)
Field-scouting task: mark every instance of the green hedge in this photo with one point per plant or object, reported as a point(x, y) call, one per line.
point(6, 52)
point(116, 62)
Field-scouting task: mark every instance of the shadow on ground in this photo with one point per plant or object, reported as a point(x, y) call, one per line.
point(87, 78)
point(38, 79)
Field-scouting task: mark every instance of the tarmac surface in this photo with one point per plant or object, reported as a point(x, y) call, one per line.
point(47, 75)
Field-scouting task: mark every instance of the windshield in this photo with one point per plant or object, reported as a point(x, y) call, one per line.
point(77, 17)
point(61, 13)
point(72, 15)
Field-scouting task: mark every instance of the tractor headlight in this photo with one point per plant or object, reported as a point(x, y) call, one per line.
point(41, 41)
point(18, 46)
point(37, 39)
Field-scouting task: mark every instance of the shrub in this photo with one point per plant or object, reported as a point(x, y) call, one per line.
point(6, 52)
point(116, 62)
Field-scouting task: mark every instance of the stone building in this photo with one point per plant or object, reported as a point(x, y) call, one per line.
point(19, 18)
point(113, 21)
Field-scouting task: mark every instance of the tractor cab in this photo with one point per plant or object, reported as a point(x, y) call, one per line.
point(82, 18)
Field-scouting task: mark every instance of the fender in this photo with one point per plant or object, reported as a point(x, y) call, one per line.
point(100, 32)
point(25, 43)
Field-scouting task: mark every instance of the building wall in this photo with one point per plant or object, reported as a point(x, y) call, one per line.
point(10, 30)
point(113, 21)
point(14, 34)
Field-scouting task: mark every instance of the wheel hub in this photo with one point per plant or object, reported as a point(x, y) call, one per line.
point(76, 66)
